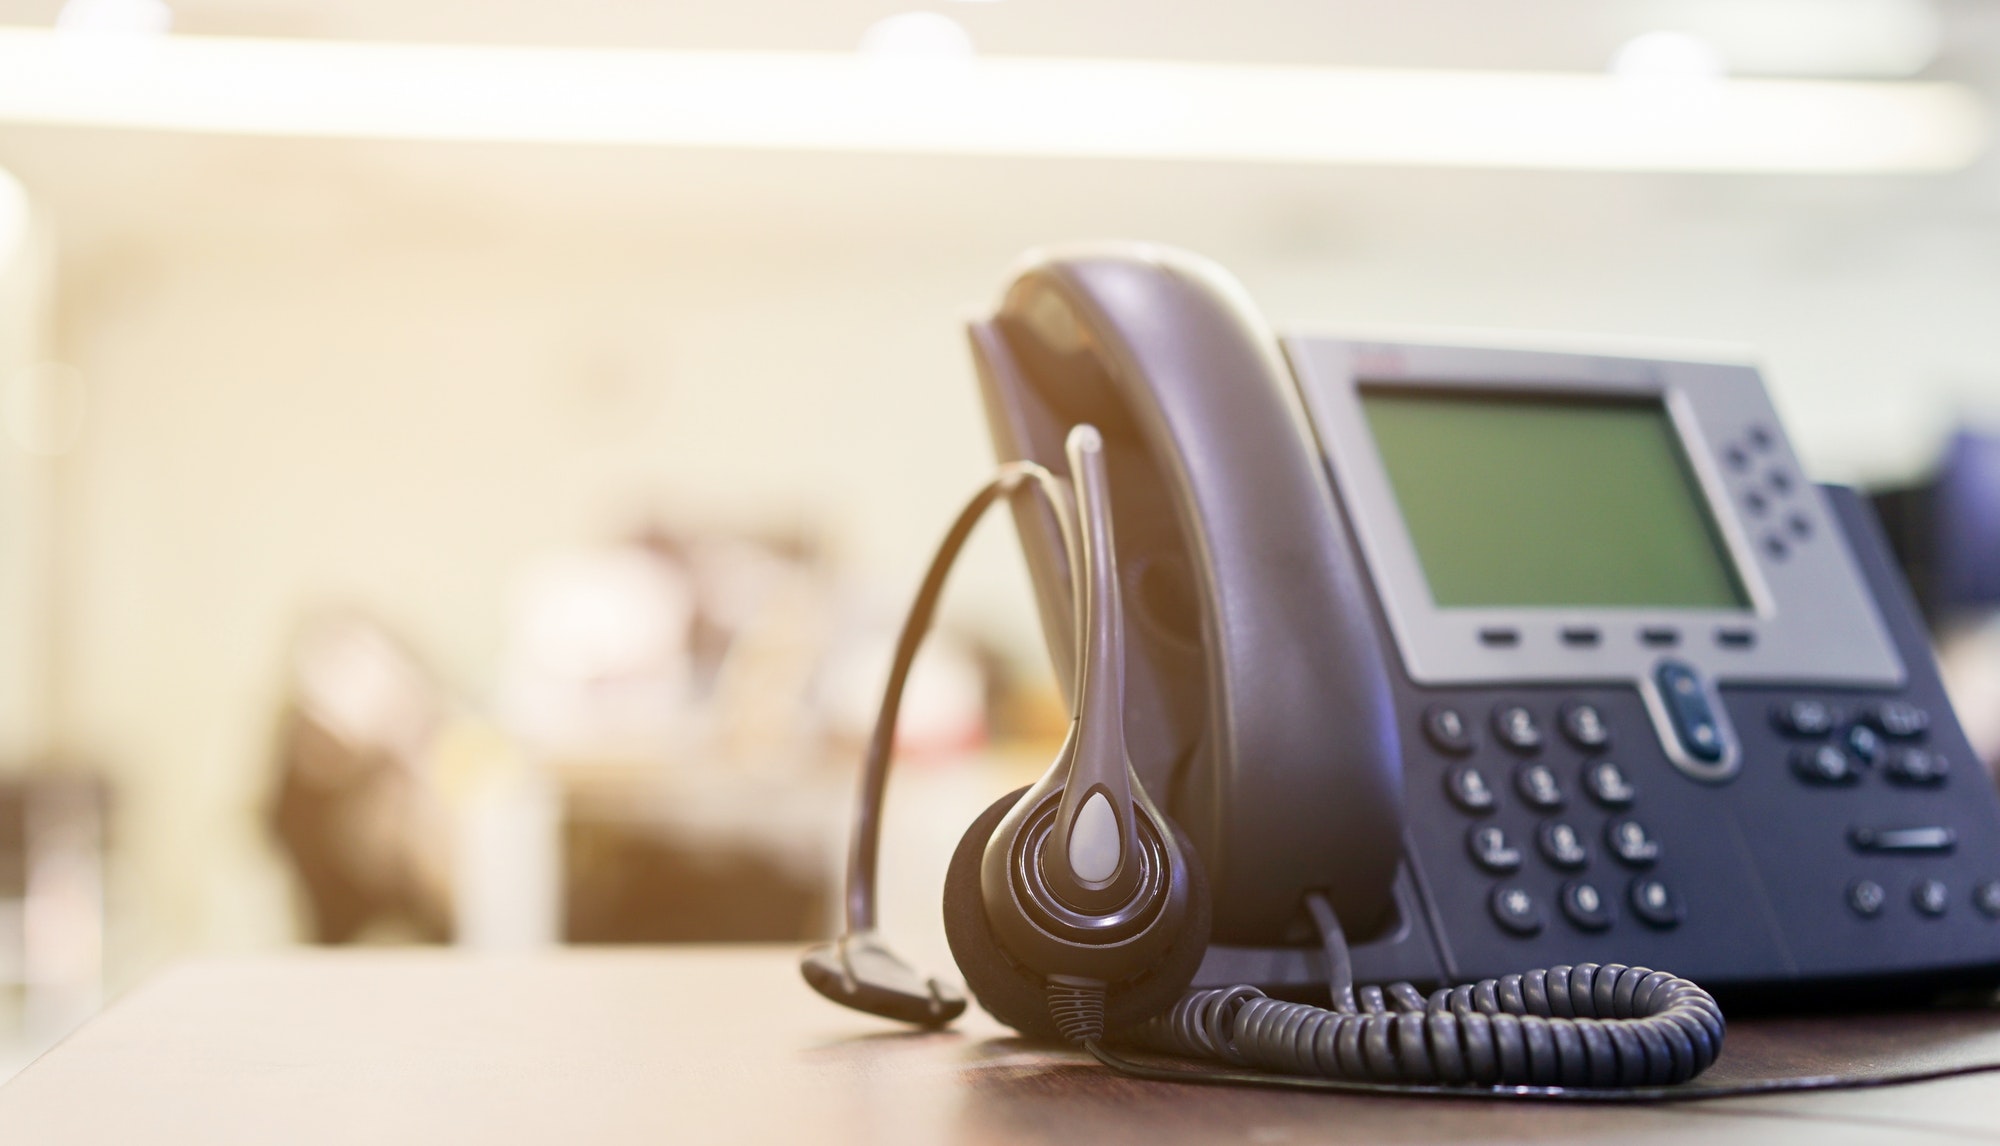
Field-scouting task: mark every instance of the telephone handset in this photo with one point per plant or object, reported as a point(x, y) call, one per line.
point(1483, 658)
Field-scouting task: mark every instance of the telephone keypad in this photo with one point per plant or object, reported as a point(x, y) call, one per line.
point(1607, 784)
point(1492, 850)
point(1538, 786)
point(1516, 728)
point(1656, 903)
point(1585, 906)
point(1562, 846)
point(1468, 789)
point(1515, 910)
point(1631, 843)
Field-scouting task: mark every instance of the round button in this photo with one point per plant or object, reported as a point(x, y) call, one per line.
point(1628, 840)
point(1537, 785)
point(1655, 903)
point(1823, 764)
point(1516, 728)
point(1761, 438)
point(1737, 458)
point(1585, 906)
point(1468, 788)
point(1584, 726)
point(1866, 897)
point(1515, 910)
point(1781, 480)
point(1607, 784)
point(1800, 525)
point(1755, 503)
point(1864, 743)
point(1561, 846)
point(1931, 896)
point(1445, 727)
point(1491, 850)
point(1986, 897)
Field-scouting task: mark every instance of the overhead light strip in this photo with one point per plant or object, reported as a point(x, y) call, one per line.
point(985, 106)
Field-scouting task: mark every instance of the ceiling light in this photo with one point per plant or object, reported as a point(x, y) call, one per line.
point(917, 35)
point(988, 106)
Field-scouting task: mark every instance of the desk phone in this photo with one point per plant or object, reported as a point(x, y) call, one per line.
point(1438, 661)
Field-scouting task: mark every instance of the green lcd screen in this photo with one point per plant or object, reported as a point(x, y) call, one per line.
point(1530, 501)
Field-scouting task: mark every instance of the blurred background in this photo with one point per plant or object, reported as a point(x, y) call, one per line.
point(466, 496)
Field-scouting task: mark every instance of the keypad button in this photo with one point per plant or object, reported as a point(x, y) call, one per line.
point(1584, 726)
point(1607, 784)
point(1806, 719)
point(1931, 897)
point(1562, 846)
point(1516, 728)
point(1515, 910)
point(1446, 728)
point(1468, 788)
point(1537, 785)
point(1866, 898)
point(1986, 897)
point(1864, 743)
point(1916, 767)
point(1585, 906)
point(1898, 720)
point(1628, 840)
point(1492, 850)
point(1656, 903)
point(1824, 764)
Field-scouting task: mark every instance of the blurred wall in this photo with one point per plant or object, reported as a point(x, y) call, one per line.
point(392, 374)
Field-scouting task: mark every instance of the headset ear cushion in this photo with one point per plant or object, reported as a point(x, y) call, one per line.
point(1016, 995)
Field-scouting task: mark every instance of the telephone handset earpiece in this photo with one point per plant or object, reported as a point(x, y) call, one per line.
point(1068, 904)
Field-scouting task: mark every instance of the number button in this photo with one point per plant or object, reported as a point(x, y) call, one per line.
point(1585, 906)
point(1628, 840)
point(1607, 784)
point(1561, 846)
point(1866, 898)
point(1491, 850)
point(1655, 903)
point(1585, 726)
point(1537, 785)
point(1515, 910)
point(1516, 728)
point(1468, 789)
point(1446, 729)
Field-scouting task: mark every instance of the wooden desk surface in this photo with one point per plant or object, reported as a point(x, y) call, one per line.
point(720, 1044)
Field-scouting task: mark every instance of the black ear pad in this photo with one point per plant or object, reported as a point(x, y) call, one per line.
point(1016, 995)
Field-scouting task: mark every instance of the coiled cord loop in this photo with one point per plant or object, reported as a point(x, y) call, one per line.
point(1589, 1025)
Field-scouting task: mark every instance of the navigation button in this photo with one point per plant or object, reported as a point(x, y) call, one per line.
point(1628, 840)
point(1584, 725)
point(1468, 788)
point(1655, 903)
point(1898, 720)
point(1916, 767)
point(1446, 728)
point(1607, 784)
point(1864, 743)
point(1515, 910)
point(1561, 846)
point(1695, 723)
point(1516, 728)
point(1585, 906)
point(1491, 850)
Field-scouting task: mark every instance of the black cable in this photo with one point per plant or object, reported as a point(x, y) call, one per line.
point(862, 856)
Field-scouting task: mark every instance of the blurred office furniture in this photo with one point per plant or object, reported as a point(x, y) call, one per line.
point(727, 1045)
point(51, 905)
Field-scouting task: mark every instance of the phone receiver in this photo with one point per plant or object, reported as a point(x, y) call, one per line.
point(1257, 705)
